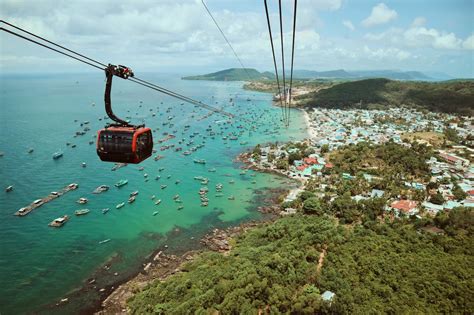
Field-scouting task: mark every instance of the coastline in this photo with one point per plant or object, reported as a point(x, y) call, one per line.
point(159, 265)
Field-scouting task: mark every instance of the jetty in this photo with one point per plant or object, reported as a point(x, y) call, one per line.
point(39, 202)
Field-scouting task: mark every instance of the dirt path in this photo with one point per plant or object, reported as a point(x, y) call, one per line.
point(321, 260)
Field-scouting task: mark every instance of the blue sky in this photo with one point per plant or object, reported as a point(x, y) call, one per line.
point(178, 36)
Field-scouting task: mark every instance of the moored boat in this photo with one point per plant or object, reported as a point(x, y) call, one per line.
point(121, 183)
point(82, 200)
point(57, 155)
point(134, 193)
point(81, 212)
point(105, 210)
point(131, 199)
point(9, 188)
point(59, 221)
point(101, 189)
point(120, 205)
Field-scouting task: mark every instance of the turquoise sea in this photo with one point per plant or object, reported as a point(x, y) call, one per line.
point(39, 265)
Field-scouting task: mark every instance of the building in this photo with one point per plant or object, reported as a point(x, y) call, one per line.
point(407, 207)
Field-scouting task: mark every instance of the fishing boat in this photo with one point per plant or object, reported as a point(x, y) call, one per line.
point(199, 161)
point(121, 183)
point(153, 197)
point(82, 212)
point(82, 200)
point(212, 170)
point(84, 164)
point(134, 193)
point(155, 213)
point(31, 150)
point(157, 177)
point(163, 186)
point(243, 172)
point(104, 241)
point(176, 197)
point(105, 210)
point(219, 195)
point(205, 181)
point(177, 182)
point(9, 188)
point(57, 155)
point(59, 221)
point(141, 168)
point(199, 178)
point(120, 205)
point(204, 204)
point(180, 207)
point(131, 199)
point(231, 197)
point(231, 181)
point(101, 189)
point(158, 202)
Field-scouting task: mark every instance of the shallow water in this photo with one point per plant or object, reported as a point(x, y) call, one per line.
point(39, 264)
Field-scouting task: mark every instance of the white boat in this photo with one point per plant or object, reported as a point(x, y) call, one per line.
point(155, 213)
point(158, 202)
point(120, 205)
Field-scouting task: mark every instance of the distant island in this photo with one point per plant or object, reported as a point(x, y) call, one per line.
point(233, 74)
point(247, 74)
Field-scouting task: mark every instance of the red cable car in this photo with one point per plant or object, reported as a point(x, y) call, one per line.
point(122, 142)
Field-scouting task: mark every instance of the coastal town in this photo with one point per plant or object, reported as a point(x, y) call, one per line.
point(450, 180)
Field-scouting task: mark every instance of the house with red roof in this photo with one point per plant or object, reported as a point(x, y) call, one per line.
point(407, 207)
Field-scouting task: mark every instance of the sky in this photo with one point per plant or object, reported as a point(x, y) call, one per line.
point(178, 36)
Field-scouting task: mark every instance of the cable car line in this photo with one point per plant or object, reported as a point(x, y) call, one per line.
point(274, 59)
point(292, 59)
point(120, 141)
point(283, 62)
point(142, 82)
point(46, 46)
point(228, 42)
point(50, 42)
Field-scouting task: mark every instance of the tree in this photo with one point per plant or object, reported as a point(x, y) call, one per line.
point(324, 148)
point(312, 206)
point(437, 199)
point(458, 193)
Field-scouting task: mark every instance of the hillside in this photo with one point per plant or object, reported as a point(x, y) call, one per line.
point(449, 97)
point(233, 74)
point(285, 267)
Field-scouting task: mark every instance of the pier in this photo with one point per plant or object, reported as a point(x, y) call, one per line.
point(39, 202)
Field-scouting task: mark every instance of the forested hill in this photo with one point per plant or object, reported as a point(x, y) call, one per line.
point(449, 97)
point(233, 74)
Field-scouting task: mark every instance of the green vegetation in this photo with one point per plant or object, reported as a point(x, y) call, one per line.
point(372, 268)
point(233, 74)
point(449, 97)
point(389, 159)
point(374, 263)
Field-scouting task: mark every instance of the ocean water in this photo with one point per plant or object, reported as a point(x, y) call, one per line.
point(38, 264)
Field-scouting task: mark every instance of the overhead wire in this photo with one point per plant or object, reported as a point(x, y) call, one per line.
point(283, 61)
point(292, 59)
point(274, 60)
point(133, 79)
point(225, 37)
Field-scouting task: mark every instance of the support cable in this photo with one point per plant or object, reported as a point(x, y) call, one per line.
point(274, 60)
point(133, 79)
point(292, 59)
point(228, 42)
point(283, 61)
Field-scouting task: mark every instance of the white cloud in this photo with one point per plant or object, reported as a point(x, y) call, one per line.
point(418, 21)
point(422, 36)
point(387, 53)
point(468, 43)
point(348, 24)
point(380, 14)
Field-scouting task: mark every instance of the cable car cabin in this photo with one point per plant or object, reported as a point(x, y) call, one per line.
point(124, 144)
